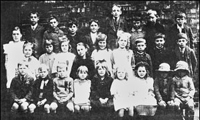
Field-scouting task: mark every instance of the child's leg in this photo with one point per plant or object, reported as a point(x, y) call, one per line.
point(31, 108)
point(70, 106)
point(53, 107)
point(177, 103)
point(76, 108)
point(14, 107)
point(47, 108)
point(24, 106)
point(121, 112)
point(131, 111)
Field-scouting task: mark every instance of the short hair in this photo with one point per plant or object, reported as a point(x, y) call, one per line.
point(72, 22)
point(103, 64)
point(82, 68)
point(34, 12)
point(43, 66)
point(22, 62)
point(53, 17)
point(93, 20)
point(180, 15)
point(62, 65)
point(48, 42)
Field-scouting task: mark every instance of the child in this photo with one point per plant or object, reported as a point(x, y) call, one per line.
point(91, 37)
point(123, 54)
point(33, 63)
point(21, 89)
point(162, 87)
point(49, 57)
point(82, 59)
point(144, 98)
point(34, 33)
point(65, 56)
point(100, 89)
point(12, 49)
point(183, 88)
point(73, 34)
point(53, 33)
point(102, 52)
point(160, 53)
point(63, 90)
point(114, 25)
point(121, 92)
point(180, 27)
point(82, 87)
point(141, 55)
point(184, 53)
point(42, 90)
point(137, 31)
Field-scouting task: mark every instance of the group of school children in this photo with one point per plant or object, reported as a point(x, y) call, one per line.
point(116, 69)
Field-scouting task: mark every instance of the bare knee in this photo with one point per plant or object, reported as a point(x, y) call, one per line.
point(14, 107)
point(47, 108)
point(24, 106)
point(31, 108)
point(70, 106)
point(53, 106)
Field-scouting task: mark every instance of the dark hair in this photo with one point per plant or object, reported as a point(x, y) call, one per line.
point(94, 20)
point(34, 12)
point(159, 35)
point(71, 22)
point(180, 15)
point(142, 64)
point(53, 17)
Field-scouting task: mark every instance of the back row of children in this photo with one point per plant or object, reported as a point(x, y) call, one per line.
point(116, 46)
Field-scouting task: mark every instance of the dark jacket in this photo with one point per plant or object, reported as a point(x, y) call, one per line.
point(101, 88)
point(47, 91)
point(22, 88)
point(73, 40)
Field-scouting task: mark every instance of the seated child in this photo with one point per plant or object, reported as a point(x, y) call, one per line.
point(62, 90)
point(42, 90)
point(82, 87)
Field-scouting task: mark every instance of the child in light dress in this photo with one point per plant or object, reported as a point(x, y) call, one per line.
point(82, 87)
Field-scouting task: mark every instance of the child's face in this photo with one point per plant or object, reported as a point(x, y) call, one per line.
point(65, 47)
point(102, 44)
point(182, 42)
point(82, 75)
point(16, 34)
point(122, 42)
point(152, 18)
point(164, 74)
point(159, 42)
point(181, 73)
point(62, 72)
point(101, 71)
point(53, 23)
point(141, 71)
point(180, 21)
point(136, 24)
point(121, 74)
point(28, 51)
point(43, 73)
point(141, 46)
point(34, 18)
point(22, 69)
point(81, 50)
point(116, 11)
point(73, 29)
point(94, 27)
point(49, 49)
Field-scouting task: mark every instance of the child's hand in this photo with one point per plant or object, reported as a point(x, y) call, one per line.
point(170, 103)
point(39, 103)
point(162, 103)
point(22, 100)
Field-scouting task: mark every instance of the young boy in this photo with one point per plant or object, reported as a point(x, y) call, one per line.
point(180, 27)
point(42, 90)
point(21, 89)
point(183, 88)
point(114, 25)
point(62, 89)
point(160, 53)
point(48, 58)
point(34, 33)
point(53, 33)
point(141, 55)
point(185, 53)
point(162, 87)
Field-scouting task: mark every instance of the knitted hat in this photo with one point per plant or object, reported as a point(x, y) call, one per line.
point(164, 67)
point(182, 65)
point(182, 36)
point(140, 40)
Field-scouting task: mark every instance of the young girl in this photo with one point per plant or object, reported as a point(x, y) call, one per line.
point(144, 98)
point(100, 89)
point(102, 52)
point(48, 58)
point(82, 87)
point(42, 90)
point(122, 94)
point(122, 55)
point(12, 49)
point(33, 63)
point(82, 59)
point(65, 56)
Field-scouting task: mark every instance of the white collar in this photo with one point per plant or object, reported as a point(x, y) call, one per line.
point(34, 26)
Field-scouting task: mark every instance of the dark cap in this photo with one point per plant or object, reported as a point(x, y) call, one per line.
point(180, 15)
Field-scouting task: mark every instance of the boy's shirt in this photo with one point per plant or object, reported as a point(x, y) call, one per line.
point(163, 89)
point(62, 87)
point(189, 56)
point(43, 89)
point(183, 87)
point(22, 87)
point(101, 88)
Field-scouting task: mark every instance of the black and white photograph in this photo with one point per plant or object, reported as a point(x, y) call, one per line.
point(99, 60)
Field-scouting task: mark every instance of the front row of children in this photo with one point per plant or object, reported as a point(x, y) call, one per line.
point(141, 93)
